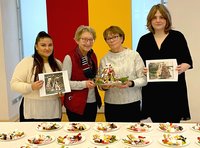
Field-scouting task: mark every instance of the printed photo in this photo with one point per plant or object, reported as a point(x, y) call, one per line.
point(162, 70)
point(54, 83)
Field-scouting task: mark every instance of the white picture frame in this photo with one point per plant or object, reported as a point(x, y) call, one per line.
point(162, 70)
point(54, 83)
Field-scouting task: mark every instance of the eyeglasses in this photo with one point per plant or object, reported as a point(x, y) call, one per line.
point(114, 38)
point(85, 40)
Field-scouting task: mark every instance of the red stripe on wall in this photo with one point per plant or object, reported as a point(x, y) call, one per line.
point(63, 18)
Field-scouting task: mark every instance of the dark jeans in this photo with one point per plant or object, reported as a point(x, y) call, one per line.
point(89, 114)
point(123, 112)
point(22, 119)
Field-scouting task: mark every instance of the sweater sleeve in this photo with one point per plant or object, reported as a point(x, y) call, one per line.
point(21, 79)
point(141, 79)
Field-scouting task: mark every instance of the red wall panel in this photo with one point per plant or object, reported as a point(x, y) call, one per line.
point(63, 18)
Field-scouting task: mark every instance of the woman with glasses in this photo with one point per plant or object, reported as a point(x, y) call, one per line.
point(122, 102)
point(165, 101)
point(81, 64)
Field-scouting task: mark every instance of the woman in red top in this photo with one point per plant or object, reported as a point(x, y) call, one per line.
point(81, 64)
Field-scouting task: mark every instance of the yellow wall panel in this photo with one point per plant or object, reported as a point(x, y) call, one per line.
point(104, 13)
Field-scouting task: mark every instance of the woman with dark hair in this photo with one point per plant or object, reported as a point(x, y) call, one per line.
point(25, 81)
point(165, 101)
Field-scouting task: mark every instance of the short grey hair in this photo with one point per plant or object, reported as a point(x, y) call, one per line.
point(81, 29)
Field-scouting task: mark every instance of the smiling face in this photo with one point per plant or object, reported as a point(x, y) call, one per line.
point(85, 42)
point(114, 37)
point(44, 47)
point(158, 22)
point(159, 19)
point(114, 41)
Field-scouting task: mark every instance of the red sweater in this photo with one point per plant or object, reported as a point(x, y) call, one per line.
point(76, 100)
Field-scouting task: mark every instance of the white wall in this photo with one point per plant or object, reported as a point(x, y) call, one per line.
point(10, 53)
point(9, 56)
point(4, 111)
point(185, 18)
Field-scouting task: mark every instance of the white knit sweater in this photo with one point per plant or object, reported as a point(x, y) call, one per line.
point(34, 106)
point(125, 63)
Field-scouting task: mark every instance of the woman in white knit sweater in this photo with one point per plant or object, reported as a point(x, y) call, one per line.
point(122, 102)
point(25, 81)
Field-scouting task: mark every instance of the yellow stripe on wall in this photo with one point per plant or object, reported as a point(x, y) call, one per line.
point(104, 13)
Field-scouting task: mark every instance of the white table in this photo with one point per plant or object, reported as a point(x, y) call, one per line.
point(30, 131)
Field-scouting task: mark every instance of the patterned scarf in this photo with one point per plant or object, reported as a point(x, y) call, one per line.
point(88, 65)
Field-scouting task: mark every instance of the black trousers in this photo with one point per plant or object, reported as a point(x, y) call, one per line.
point(22, 119)
point(123, 112)
point(164, 119)
point(89, 114)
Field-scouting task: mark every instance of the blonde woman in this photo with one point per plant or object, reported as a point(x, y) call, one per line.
point(81, 64)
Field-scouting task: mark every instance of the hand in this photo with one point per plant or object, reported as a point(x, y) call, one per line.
point(182, 67)
point(37, 85)
point(107, 86)
point(145, 71)
point(61, 94)
point(125, 84)
point(90, 84)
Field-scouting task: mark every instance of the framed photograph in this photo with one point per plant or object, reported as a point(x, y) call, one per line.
point(54, 83)
point(162, 70)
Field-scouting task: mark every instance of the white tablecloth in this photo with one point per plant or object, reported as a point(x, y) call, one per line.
point(30, 131)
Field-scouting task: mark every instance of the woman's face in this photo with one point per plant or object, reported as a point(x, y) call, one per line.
point(114, 41)
point(158, 22)
point(85, 42)
point(44, 48)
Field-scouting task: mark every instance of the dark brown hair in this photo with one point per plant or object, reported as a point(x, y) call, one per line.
point(38, 63)
point(165, 13)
